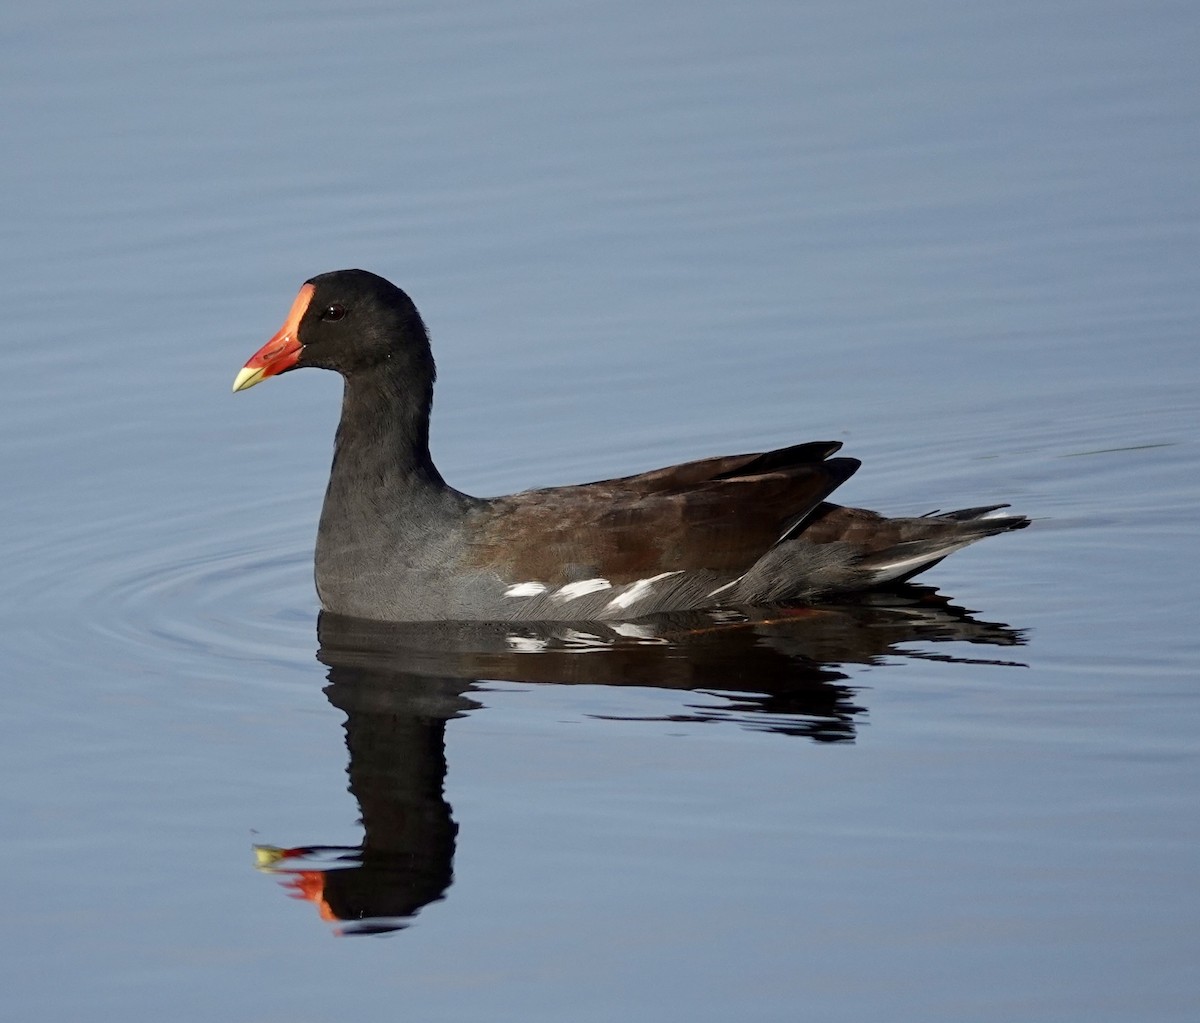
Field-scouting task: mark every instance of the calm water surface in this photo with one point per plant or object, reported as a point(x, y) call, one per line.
point(962, 240)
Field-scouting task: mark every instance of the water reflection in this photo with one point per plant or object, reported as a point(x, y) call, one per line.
point(398, 684)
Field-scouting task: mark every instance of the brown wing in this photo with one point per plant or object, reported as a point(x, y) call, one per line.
point(718, 514)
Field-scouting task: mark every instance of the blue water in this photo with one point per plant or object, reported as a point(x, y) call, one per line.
point(960, 239)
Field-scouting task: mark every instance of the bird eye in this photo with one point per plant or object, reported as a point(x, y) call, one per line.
point(334, 312)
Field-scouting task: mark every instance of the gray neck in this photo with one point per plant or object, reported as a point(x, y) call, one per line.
point(387, 508)
point(382, 441)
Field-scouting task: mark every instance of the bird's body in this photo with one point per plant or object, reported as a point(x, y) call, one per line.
point(396, 543)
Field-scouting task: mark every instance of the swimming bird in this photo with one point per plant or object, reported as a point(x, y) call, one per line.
point(397, 543)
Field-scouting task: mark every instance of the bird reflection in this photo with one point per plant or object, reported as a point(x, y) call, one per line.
point(778, 670)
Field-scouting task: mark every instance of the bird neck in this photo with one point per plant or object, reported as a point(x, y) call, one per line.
point(382, 441)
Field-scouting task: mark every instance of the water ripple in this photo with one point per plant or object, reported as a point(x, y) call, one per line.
point(158, 592)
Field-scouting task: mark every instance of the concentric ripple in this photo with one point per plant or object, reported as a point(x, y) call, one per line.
point(178, 594)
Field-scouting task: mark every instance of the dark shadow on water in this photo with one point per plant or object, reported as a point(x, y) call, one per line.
point(775, 670)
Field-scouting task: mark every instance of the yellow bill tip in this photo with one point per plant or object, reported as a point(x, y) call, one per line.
point(266, 856)
point(247, 377)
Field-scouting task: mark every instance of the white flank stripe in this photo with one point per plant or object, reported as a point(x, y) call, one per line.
point(722, 589)
point(580, 589)
point(525, 589)
point(638, 590)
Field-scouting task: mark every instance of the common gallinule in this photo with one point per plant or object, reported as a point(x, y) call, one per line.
point(397, 543)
